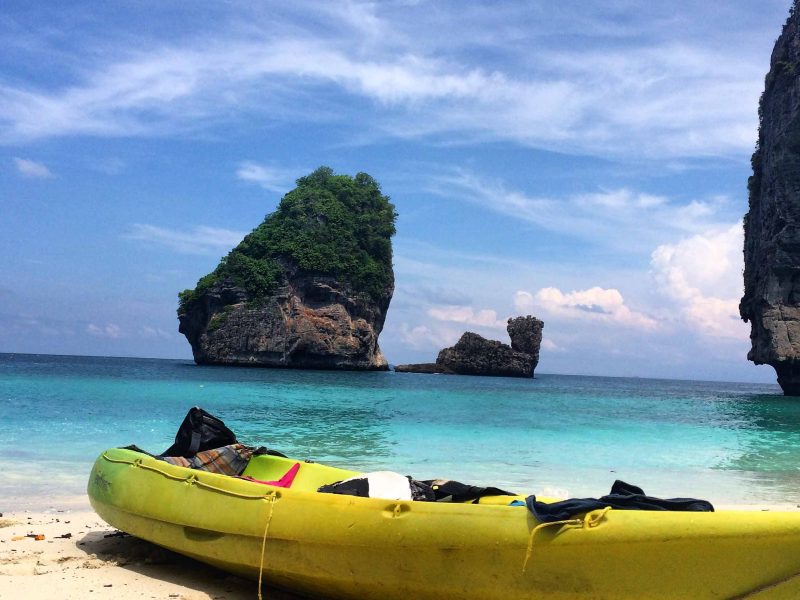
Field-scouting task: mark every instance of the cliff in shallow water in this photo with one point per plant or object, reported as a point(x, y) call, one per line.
point(771, 301)
point(308, 288)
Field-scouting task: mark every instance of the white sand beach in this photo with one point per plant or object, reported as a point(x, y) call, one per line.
point(82, 557)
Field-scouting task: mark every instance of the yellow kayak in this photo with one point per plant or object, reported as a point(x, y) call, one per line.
point(336, 546)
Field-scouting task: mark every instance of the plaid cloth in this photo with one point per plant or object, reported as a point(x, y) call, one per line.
point(227, 460)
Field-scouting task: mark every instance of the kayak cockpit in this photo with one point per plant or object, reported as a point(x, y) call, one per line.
point(310, 476)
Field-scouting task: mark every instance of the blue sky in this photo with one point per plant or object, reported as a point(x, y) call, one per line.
point(585, 162)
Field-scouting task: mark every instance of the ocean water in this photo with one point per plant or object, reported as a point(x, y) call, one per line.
point(554, 435)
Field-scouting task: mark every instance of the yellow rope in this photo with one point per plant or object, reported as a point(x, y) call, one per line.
point(589, 521)
point(264, 543)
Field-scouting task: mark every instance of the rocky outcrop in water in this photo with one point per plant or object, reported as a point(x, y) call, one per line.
point(308, 288)
point(771, 301)
point(311, 322)
point(475, 355)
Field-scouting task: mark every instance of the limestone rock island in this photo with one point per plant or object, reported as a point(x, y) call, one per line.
point(308, 288)
point(771, 301)
point(475, 355)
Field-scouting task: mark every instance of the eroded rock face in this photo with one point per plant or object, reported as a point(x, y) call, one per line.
point(475, 355)
point(310, 322)
point(771, 301)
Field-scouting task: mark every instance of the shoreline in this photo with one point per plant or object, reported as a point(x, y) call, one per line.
point(83, 557)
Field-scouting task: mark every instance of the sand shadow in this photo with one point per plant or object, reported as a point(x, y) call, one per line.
point(149, 560)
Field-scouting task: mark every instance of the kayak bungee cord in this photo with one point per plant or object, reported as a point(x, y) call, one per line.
point(191, 479)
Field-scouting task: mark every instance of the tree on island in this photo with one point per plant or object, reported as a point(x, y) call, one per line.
point(329, 224)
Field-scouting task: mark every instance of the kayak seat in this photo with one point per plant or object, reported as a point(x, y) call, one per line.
point(309, 478)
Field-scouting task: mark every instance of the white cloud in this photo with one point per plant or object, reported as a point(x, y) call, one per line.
point(155, 333)
point(31, 168)
point(594, 304)
point(632, 220)
point(643, 97)
point(702, 276)
point(551, 346)
point(199, 240)
point(422, 337)
point(467, 315)
point(270, 178)
point(111, 330)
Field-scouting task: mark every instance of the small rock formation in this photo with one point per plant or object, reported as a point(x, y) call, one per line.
point(308, 288)
point(475, 355)
point(771, 301)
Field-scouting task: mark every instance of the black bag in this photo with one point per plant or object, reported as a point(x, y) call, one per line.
point(200, 431)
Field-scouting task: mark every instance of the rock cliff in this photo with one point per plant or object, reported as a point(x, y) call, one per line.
point(475, 355)
point(308, 288)
point(771, 301)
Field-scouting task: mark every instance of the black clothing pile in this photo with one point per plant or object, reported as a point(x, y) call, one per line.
point(429, 490)
point(205, 443)
point(623, 496)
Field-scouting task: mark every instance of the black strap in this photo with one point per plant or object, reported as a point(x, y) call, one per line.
point(261, 450)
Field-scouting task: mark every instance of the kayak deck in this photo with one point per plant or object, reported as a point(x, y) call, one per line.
point(311, 476)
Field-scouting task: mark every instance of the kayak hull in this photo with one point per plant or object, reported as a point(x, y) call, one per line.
point(333, 546)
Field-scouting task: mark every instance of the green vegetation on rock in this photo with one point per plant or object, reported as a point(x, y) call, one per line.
point(329, 224)
point(218, 319)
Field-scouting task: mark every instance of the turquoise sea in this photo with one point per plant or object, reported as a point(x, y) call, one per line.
point(557, 435)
